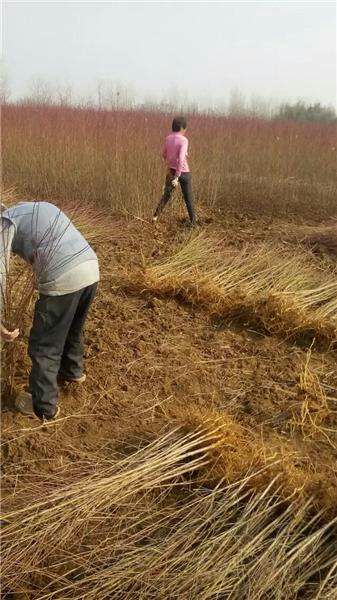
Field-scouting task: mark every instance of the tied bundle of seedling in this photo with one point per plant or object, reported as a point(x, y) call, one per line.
point(265, 287)
point(150, 525)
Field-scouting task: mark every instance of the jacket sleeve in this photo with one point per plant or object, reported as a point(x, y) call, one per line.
point(182, 156)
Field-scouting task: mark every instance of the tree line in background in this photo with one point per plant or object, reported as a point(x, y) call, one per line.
point(300, 111)
point(115, 95)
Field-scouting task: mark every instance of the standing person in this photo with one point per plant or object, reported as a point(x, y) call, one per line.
point(175, 155)
point(67, 274)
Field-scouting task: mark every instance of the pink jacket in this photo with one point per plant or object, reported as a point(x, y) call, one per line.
point(175, 153)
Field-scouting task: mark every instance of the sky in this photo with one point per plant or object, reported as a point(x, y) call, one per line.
point(277, 50)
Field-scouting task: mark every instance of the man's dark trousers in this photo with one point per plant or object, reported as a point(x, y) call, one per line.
point(186, 188)
point(56, 345)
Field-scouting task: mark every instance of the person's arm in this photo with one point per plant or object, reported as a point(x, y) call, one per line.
point(181, 156)
point(6, 238)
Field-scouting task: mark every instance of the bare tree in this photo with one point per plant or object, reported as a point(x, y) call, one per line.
point(237, 103)
point(40, 91)
point(260, 107)
point(4, 86)
point(115, 95)
point(64, 94)
point(176, 99)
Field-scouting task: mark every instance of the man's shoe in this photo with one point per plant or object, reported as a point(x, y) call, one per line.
point(24, 404)
point(154, 219)
point(80, 379)
point(57, 414)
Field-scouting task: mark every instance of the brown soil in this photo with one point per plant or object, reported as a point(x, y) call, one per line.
point(152, 361)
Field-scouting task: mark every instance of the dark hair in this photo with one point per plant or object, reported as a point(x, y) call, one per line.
point(179, 123)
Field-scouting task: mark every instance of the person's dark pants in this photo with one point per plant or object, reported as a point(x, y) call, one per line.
point(56, 345)
point(186, 188)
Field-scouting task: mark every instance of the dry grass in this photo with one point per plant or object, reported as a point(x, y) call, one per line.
point(146, 526)
point(264, 286)
point(172, 497)
point(313, 413)
point(16, 298)
point(16, 302)
point(244, 454)
point(186, 501)
point(112, 158)
point(319, 241)
point(323, 239)
point(96, 225)
point(9, 195)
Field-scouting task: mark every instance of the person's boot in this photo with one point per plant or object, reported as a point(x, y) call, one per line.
point(64, 379)
point(24, 404)
point(56, 415)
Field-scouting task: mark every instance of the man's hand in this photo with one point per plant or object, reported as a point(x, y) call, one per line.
point(9, 336)
point(174, 182)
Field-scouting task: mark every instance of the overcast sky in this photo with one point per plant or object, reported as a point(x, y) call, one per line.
point(281, 50)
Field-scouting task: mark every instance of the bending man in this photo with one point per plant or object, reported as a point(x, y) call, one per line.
point(67, 274)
